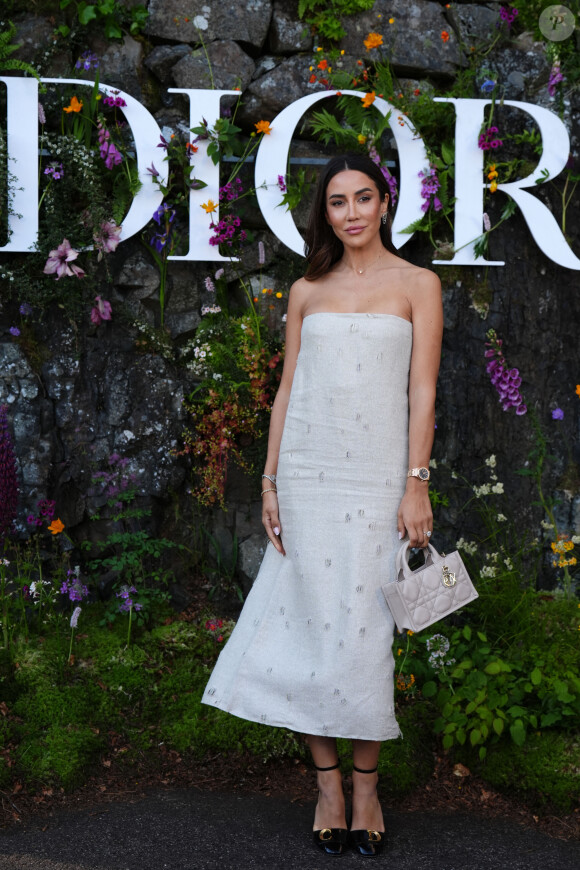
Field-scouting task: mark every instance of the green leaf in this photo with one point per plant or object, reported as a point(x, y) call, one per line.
point(86, 14)
point(467, 632)
point(475, 737)
point(448, 154)
point(518, 732)
point(448, 741)
point(498, 726)
point(482, 636)
point(429, 689)
point(460, 736)
point(536, 676)
point(482, 752)
point(494, 668)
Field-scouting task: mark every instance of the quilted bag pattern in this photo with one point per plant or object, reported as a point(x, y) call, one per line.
point(419, 598)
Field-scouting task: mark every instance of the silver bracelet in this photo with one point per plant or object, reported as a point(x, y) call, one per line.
point(270, 477)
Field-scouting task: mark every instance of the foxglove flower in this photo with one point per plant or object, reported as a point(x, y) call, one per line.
point(101, 311)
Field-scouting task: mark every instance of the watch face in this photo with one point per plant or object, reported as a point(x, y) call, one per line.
point(424, 473)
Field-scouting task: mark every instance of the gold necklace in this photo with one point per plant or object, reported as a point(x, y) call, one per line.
point(362, 271)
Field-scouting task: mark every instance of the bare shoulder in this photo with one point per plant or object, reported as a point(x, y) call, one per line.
point(423, 286)
point(300, 293)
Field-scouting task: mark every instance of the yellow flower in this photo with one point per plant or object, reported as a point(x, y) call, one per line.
point(264, 289)
point(368, 99)
point(263, 127)
point(410, 633)
point(278, 295)
point(373, 40)
point(209, 206)
point(56, 527)
point(493, 186)
point(492, 172)
point(391, 20)
point(361, 139)
point(400, 651)
point(74, 105)
point(342, 50)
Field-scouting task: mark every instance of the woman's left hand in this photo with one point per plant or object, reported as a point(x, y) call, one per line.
point(415, 517)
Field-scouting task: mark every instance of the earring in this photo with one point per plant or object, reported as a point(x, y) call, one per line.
point(384, 218)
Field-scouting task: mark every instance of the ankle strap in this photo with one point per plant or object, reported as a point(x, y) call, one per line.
point(332, 766)
point(359, 770)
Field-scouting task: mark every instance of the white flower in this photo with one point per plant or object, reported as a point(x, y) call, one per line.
point(432, 463)
point(497, 488)
point(484, 489)
point(546, 525)
point(491, 461)
point(284, 316)
point(501, 518)
point(469, 547)
point(509, 564)
point(575, 539)
point(75, 617)
point(488, 571)
point(453, 475)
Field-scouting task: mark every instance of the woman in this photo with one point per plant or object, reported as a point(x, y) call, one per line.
point(346, 478)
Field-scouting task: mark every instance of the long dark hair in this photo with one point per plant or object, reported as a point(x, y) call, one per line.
point(323, 249)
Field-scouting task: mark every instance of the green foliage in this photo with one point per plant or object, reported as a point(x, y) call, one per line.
point(8, 47)
point(112, 16)
point(544, 770)
point(324, 16)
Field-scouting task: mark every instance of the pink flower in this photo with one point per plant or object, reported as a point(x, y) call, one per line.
point(59, 259)
point(101, 311)
point(109, 238)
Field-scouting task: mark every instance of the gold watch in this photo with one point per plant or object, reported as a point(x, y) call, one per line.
point(422, 473)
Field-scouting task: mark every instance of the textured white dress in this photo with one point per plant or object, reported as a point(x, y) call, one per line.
point(312, 649)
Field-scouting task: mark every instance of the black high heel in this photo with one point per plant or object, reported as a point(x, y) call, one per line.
point(332, 841)
point(367, 843)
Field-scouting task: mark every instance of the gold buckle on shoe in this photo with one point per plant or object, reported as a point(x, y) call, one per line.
point(325, 834)
point(374, 836)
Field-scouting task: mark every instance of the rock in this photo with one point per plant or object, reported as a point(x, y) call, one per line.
point(33, 34)
point(267, 96)
point(475, 22)
point(162, 60)
point(182, 310)
point(413, 42)
point(230, 68)
point(523, 69)
point(251, 552)
point(185, 20)
point(120, 65)
point(141, 279)
point(288, 33)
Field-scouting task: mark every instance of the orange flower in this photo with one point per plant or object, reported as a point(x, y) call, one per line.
point(74, 106)
point(263, 127)
point(192, 148)
point(56, 527)
point(373, 40)
point(368, 99)
point(492, 172)
point(578, 394)
point(312, 78)
point(444, 36)
point(493, 186)
point(361, 138)
point(323, 64)
point(209, 206)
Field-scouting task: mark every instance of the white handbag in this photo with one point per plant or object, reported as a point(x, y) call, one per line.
point(419, 598)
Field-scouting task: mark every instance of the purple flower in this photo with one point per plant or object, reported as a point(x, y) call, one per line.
point(127, 604)
point(107, 149)
point(487, 140)
point(486, 222)
point(228, 231)
point(101, 311)
point(109, 237)
point(59, 259)
point(282, 183)
point(392, 182)
point(14, 331)
point(209, 285)
point(506, 381)
point(154, 172)
point(87, 60)
point(8, 479)
point(46, 507)
point(219, 274)
point(555, 78)
point(164, 213)
point(26, 309)
point(41, 115)
point(261, 253)
point(429, 187)
point(557, 414)
point(73, 587)
point(115, 102)
point(55, 170)
point(507, 15)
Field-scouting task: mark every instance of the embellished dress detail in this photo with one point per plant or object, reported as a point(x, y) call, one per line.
point(312, 649)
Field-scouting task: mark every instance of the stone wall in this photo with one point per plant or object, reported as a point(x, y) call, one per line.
point(95, 392)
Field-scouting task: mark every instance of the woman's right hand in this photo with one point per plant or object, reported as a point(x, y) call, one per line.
point(271, 520)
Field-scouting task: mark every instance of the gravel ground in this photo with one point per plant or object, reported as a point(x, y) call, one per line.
point(191, 830)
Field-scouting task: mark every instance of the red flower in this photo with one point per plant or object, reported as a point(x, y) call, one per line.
point(444, 36)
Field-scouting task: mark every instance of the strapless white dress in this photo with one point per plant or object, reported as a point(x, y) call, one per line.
point(312, 649)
